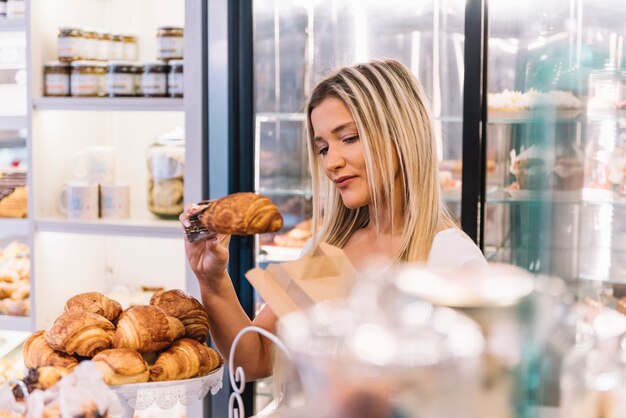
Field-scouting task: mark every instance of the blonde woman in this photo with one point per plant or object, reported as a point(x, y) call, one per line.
point(372, 156)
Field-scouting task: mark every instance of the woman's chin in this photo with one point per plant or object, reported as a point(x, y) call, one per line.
point(352, 203)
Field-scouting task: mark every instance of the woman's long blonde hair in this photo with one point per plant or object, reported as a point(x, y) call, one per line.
point(392, 116)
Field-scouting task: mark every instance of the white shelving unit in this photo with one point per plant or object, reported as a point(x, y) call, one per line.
point(110, 103)
point(12, 25)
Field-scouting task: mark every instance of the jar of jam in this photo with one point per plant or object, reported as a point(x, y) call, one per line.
point(120, 79)
point(137, 73)
point(104, 46)
point(56, 79)
point(166, 166)
point(154, 79)
point(129, 47)
point(70, 44)
point(85, 79)
point(175, 79)
point(170, 43)
point(91, 45)
point(117, 47)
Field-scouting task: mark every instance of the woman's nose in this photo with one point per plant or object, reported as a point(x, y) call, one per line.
point(334, 160)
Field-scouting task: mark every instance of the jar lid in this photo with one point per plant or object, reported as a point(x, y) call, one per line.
point(171, 28)
point(69, 30)
point(176, 63)
point(129, 38)
point(150, 64)
point(174, 137)
point(120, 63)
point(57, 64)
point(117, 37)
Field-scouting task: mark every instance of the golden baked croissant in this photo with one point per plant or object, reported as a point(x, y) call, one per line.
point(144, 328)
point(187, 309)
point(242, 214)
point(120, 366)
point(38, 353)
point(48, 376)
point(177, 329)
point(186, 358)
point(94, 302)
point(82, 333)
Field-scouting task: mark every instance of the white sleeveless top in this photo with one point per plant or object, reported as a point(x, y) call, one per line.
point(452, 248)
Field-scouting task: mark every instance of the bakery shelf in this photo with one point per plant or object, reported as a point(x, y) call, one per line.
point(12, 123)
point(284, 192)
point(12, 25)
point(126, 227)
point(16, 323)
point(109, 103)
point(14, 226)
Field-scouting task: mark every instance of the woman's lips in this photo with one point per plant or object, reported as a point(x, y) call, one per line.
point(344, 181)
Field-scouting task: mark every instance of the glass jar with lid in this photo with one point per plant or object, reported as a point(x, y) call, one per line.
point(56, 79)
point(170, 42)
point(117, 47)
point(166, 164)
point(86, 78)
point(154, 79)
point(120, 79)
point(70, 44)
point(129, 48)
point(175, 78)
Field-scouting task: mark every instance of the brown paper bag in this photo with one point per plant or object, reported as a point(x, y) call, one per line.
point(324, 274)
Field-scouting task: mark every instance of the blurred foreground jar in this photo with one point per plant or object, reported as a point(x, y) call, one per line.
point(384, 353)
point(166, 164)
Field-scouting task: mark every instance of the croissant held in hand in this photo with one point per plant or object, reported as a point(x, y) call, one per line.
point(186, 358)
point(120, 366)
point(83, 333)
point(187, 309)
point(242, 214)
point(145, 329)
point(37, 353)
point(94, 302)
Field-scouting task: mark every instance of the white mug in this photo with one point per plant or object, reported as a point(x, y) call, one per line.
point(95, 165)
point(79, 200)
point(115, 201)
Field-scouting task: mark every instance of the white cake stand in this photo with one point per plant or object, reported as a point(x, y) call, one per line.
point(138, 396)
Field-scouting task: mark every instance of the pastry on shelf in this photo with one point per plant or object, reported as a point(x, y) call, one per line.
point(143, 328)
point(296, 237)
point(15, 307)
point(186, 358)
point(515, 101)
point(530, 168)
point(120, 366)
point(37, 353)
point(13, 195)
point(81, 333)
point(187, 309)
point(96, 303)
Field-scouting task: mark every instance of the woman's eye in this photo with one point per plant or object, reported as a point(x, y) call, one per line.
point(322, 151)
point(351, 139)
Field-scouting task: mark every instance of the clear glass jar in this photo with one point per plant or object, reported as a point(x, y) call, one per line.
point(91, 45)
point(154, 79)
point(166, 164)
point(3, 9)
point(117, 47)
point(104, 46)
point(170, 42)
point(129, 49)
point(175, 79)
point(56, 79)
point(120, 79)
point(70, 44)
point(85, 79)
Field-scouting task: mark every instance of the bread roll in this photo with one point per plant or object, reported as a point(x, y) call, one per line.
point(38, 353)
point(120, 366)
point(96, 303)
point(187, 309)
point(82, 333)
point(242, 214)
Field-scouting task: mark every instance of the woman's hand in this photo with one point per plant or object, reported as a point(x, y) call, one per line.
point(208, 257)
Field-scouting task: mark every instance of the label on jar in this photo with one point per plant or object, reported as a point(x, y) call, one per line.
point(154, 84)
point(70, 47)
point(122, 84)
point(85, 84)
point(57, 84)
point(170, 47)
point(117, 50)
point(164, 167)
point(175, 83)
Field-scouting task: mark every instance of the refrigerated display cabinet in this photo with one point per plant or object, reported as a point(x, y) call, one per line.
point(528, 101)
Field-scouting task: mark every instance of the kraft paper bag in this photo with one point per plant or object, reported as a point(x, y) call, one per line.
point(324, 274)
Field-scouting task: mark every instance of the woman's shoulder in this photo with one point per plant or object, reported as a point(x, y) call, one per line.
point(452, 248)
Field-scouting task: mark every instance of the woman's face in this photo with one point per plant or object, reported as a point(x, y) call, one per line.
point(339, 147)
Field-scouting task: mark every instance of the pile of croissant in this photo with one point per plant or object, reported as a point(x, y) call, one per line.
point(161, 341)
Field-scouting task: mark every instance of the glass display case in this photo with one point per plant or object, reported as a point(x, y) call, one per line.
point(556, 133)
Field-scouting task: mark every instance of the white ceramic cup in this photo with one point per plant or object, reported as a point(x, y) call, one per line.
point(95, 165)
point(114, 201)
point(79, 200)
